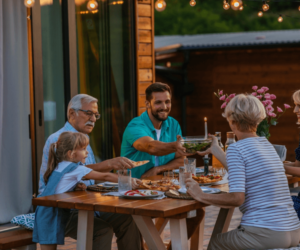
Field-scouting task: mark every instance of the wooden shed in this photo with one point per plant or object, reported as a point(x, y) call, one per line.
point(196, 66)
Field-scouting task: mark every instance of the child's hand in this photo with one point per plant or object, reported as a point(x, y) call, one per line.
point(80, 187)
point(135, 183)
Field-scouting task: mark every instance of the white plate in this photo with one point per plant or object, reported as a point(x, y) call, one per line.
point(111, 184)
point(139, 197)
point(198, 171)
point(206, 190)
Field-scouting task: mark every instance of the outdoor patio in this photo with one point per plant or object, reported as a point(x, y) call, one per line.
point(210, 220)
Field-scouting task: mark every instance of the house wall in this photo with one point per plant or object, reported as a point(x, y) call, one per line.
point(145, 55)
point(236, 71)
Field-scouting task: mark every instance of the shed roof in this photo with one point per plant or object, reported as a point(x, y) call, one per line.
point(220, 40)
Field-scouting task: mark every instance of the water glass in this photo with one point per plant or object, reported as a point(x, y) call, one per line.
point(219, 171)
point(184, 174)
point(190, 165)
point(124, 181)
point(168, 176)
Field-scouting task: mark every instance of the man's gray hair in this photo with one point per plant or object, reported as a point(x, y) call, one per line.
point(77, 101)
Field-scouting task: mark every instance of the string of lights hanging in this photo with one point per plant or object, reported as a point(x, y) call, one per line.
point(92, 5)
point(160, 5)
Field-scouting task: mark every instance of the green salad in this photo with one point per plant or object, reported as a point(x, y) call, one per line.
point(193, 147)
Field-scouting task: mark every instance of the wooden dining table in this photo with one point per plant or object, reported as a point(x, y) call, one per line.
point(143, 211)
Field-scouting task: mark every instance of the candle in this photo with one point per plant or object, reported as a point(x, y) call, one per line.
point(206, 134)
point(205, 126)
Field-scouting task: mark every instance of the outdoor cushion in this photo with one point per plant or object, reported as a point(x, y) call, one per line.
point(24, 220)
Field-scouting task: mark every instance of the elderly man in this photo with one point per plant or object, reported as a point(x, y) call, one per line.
point(82, 115)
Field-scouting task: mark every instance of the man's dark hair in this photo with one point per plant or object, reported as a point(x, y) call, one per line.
point(156, 87)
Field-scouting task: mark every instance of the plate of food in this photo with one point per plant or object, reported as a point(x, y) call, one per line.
point(208, 179)
point(141, 194)
point(161, 185)
point(139, 163)
point(198, 171)
point(195, 143)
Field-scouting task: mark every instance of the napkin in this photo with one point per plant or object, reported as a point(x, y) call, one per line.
point(118, 194)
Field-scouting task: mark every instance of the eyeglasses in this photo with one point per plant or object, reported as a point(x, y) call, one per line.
point(90, 113)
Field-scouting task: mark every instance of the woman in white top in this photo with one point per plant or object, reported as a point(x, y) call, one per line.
point(257, 184)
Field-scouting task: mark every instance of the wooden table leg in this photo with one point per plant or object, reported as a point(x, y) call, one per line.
point(179, 237)
point(149, 232)
point(85, 230)
point(223, 221)
point(198, 236)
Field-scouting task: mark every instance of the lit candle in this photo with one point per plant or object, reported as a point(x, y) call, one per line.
point(206, 134)
point(205, 126)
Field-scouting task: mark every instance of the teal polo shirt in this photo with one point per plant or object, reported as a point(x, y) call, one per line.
point(142, 126)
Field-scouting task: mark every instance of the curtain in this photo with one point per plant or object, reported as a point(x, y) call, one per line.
point(15, 145)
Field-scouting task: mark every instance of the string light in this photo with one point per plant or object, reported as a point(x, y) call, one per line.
point(236, 4)
point(160, 5)
point(192, 3)
point(241, 8)
point(260, 13)
point(265, 6)
point(226, 5)
point(280, 19)
point(29, 3)
point(299, 8)
point(92, 5)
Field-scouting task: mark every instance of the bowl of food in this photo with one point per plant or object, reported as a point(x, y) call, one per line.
point(195, 143)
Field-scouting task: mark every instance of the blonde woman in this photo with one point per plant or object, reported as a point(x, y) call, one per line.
point(257, 185)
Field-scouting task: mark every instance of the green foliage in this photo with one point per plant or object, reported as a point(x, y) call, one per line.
point(263, 129)
point(208, 16)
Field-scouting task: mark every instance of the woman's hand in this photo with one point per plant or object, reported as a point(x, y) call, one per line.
point(214, 145)
point(193, 189)
point(135, 183)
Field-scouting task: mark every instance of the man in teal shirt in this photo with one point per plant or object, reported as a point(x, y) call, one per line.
point(154, 135)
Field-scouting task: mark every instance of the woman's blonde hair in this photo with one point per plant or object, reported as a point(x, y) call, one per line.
point(296, 96)
point(246, 112)
point(58, 151)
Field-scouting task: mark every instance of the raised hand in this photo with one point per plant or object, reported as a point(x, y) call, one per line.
point(181, 150)
point(214, 144)
point(120, 163)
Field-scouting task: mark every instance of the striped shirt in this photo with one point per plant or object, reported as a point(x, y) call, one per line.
point(254, 168)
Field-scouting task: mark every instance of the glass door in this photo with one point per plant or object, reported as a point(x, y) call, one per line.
point(106, 68)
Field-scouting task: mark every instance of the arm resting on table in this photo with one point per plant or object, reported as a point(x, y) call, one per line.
point(292, 170)
point(101, 176)
point(223, 200)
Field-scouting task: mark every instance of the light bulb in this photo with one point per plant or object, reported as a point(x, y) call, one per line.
point(280, 19)
point(236, 4)
point(160, 5)
point(226, 5)
point(92, 5)
point(192, 3)
point(29, 3)
point(265, 7)
point(260, 13)
point(241, 8)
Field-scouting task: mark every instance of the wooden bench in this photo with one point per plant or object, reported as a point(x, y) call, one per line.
point(19, 239)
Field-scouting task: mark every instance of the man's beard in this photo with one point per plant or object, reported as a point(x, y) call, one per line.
point(156, 115)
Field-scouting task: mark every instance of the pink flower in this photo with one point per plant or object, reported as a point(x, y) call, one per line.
point(286, 106)
point(265, 103)
point(265, 89)
point(260, 91)
point(222, 98)
point(272, 97)
point(254, 87)
point(269, 108)
point(231, 96)
point(259, 96)
point(271, 114)
point(254, 94)
point(224, 105)
point(221, 93)
point(269, 102)
point(279, 110)
point(267, 96)
point(228, 99)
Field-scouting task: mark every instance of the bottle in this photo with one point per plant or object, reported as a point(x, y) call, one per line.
point(230, 139)
point(216, 164)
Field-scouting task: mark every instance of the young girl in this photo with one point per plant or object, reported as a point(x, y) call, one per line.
point(65, 169)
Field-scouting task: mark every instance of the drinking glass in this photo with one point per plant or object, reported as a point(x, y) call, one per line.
point(124, 181)
point(184, 173)
point(190, 164)
point(169, 176)
point(219, 171)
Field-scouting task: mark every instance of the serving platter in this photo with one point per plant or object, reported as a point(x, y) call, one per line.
point(147, 193)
